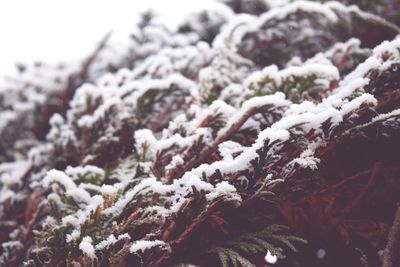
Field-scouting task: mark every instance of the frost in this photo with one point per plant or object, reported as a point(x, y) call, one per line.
point(307, 160)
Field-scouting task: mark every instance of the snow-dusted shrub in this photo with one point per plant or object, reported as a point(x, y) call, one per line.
point(212, 145)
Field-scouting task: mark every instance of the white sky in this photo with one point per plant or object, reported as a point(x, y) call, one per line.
point(55, 30)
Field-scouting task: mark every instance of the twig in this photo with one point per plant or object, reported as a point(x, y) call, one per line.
point(343, 58)
point(189, 230)
point(129, 221)
point(392, 242)
point(210, 149)
point(360, 196)
point(32, 214)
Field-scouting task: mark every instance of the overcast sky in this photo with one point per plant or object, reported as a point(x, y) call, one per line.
point(54, 30)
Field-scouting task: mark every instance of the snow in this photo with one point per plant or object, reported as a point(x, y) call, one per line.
point(74, 235)
point(55, 176)
point(88, 121)
point(175, 140)
point(357, 102)
point(228, 148)
point(145, 138)
point(6, 117)
point(222, 93)
point(226, 38)
point(306, 115)
point(321, 253)
point(79, 217)
point(88, 170)
point(235, 31)
point(308, 120)
point(143, 245)
point(11, 173)
point(307, 160)
point(270, 78)
point(179, 189)
point(393, 115)
point(243, 160)
point(321, 70)
point(110, 240)
point(376, 61)
point(386, 116)
point(221, 189)
point(106, 243)
point(276, 100)
point(175, 161)
point(108, 189)
point(79, 195)
point(269, 258)
point(86, 202)
point(87, 247)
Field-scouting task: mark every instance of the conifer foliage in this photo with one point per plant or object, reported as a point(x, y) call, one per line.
point(256, 127)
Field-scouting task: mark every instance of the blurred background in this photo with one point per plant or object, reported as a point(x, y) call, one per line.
point(53, 31)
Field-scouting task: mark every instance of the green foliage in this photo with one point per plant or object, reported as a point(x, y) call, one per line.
point(292, 86)
point(216, 123)
point(144, 149)
point(234, 252)
point(90, 178)
point(230, 257)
